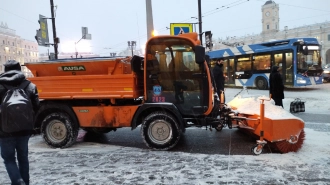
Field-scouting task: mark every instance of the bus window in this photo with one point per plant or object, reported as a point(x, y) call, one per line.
point(278, 60)
point(231, 72)
point(261, 62)
point(243, 63)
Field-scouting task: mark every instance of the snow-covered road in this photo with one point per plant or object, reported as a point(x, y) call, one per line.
point(92, 163)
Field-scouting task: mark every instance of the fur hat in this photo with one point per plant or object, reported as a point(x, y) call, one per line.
point(12, 65)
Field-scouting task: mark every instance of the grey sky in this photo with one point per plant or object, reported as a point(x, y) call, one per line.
point(114, 22)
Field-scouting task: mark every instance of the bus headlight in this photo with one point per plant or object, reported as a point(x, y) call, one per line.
point(301, 80)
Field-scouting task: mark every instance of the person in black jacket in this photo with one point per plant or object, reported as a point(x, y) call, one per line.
point(219, 77)
point(276, 86)
point(17, 142)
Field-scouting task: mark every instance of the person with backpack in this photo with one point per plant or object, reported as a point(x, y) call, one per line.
point(19, 104)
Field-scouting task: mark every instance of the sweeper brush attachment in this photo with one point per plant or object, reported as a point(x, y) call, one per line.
point(292, 145)
point(272, 124)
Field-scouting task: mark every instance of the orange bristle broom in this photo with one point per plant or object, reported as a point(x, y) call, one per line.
point(290, 146)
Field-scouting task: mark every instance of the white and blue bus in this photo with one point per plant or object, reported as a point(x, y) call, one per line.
point(250, 65)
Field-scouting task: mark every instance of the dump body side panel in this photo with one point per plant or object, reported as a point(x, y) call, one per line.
point(88, 86)
point(105, 116)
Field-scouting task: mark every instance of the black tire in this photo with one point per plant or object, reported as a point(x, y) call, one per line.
point(160, 131)
point(59, 130)
point(220, 126)
point(261, 83)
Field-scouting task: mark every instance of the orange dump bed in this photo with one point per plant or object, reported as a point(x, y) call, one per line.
point(80, 66)
point(92, 78)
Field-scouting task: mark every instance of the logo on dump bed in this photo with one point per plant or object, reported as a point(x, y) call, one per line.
point(72, 68)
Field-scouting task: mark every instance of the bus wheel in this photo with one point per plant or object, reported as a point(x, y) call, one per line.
point(160, 131)
point(58, 130)
point(261, 83)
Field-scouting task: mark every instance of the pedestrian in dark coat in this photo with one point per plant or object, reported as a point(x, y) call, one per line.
point(276, 86)
point(15, 145)
point(219, 77)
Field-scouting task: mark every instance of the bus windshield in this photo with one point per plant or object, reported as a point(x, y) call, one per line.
point(312, 61)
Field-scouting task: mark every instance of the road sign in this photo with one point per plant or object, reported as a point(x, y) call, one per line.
point(180, 28)
point(42, 34)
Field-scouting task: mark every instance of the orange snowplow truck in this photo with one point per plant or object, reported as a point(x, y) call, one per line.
point(166, 91)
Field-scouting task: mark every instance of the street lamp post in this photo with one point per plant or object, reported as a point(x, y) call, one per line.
point(131, 44)
point(194, 24)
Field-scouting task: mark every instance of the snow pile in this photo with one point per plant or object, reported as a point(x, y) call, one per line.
point(251, 105)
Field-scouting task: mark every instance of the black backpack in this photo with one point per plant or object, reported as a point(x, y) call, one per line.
point(16, 109)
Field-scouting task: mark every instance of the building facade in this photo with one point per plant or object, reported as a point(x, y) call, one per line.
point(271, 31)
point(270, 18)
point(13, 47)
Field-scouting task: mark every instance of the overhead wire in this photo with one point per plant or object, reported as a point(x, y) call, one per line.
point(207, 13)
point(253, 26)
point(210, 12)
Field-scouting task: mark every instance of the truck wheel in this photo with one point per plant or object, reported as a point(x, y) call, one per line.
point(261, 83)
point(58, 130)
point(160, 131)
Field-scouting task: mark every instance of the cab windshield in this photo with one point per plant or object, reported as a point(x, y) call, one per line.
point(172, 54)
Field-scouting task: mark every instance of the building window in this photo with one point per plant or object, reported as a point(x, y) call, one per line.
point(3, 41)
point(328, 37)
point(13, 44)
point(267, 26)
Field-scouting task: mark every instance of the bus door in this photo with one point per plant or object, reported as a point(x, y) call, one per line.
point(288, 60)
point(229, 71)
point(283, 59)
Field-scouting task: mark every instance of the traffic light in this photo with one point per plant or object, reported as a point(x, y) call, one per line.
point(42, 34)
point(208, 39)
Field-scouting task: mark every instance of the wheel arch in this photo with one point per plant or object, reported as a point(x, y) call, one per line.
point(48, 107)
point(147, 108)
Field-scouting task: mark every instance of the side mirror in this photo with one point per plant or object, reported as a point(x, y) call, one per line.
point(136, 63)
point(199, 54)
point(305, 51)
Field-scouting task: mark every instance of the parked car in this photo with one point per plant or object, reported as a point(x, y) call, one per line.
point(326, 73)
